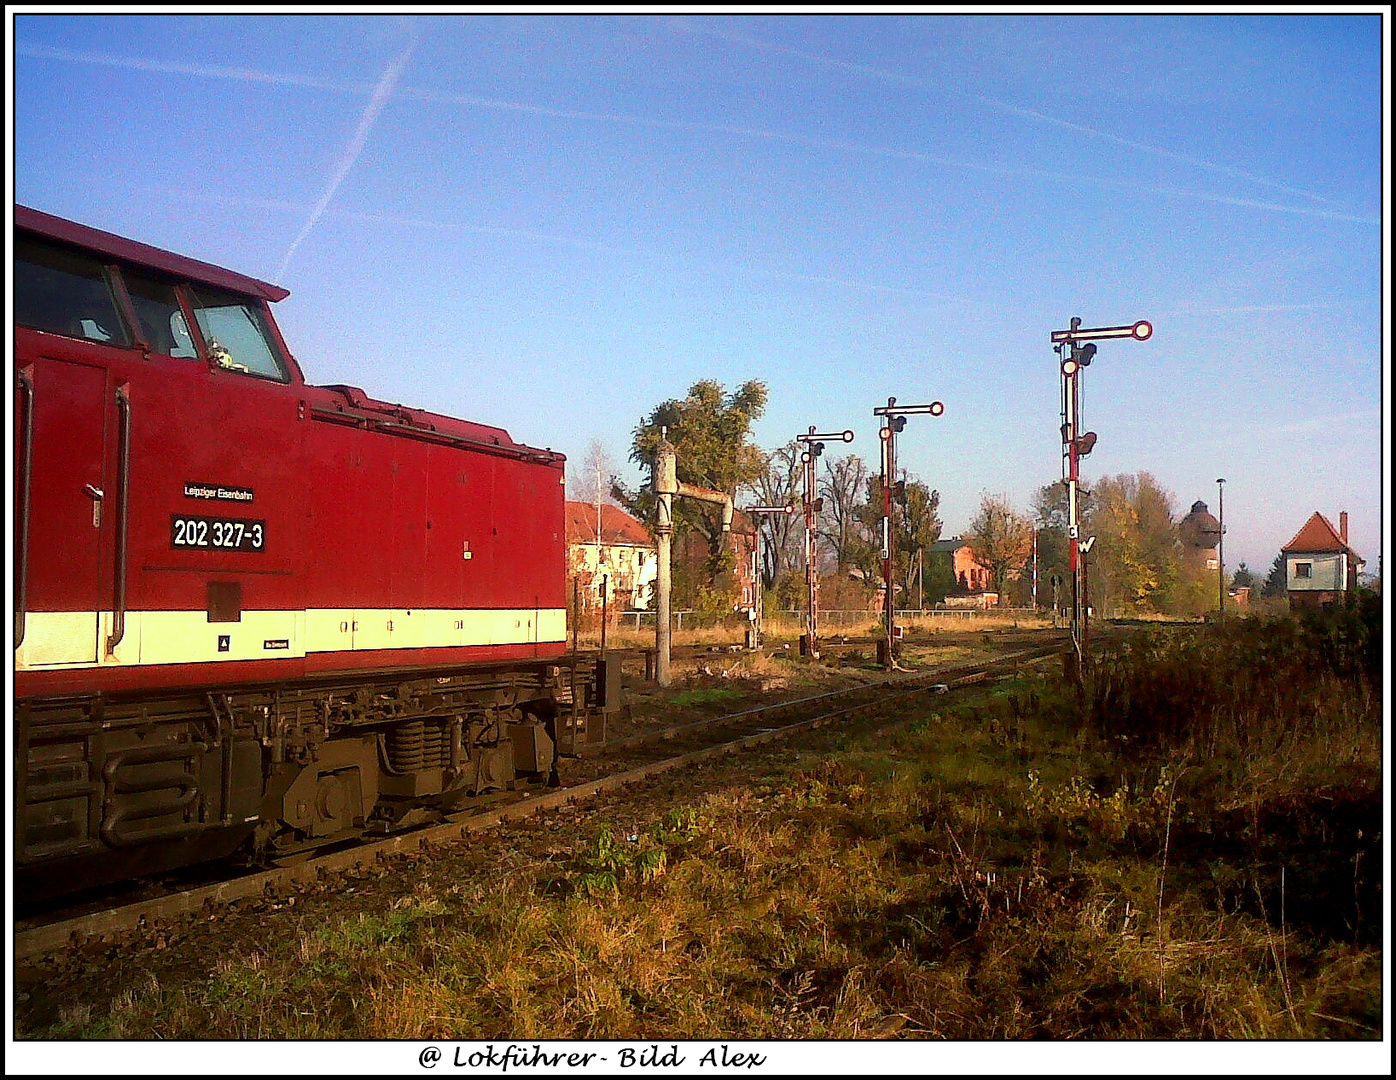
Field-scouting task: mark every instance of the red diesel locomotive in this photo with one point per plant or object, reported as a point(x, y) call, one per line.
point(251, 612)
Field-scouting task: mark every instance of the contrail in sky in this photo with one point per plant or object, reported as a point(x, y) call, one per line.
point(572, 241)
point(473, 101)
point(175, 67)
point(381, 93)
point(921, 83)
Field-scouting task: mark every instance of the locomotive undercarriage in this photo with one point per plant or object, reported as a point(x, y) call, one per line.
point(110, 787)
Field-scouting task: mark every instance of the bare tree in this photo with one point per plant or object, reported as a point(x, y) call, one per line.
point(591, 481)
point(842, 490)
point(777, 485)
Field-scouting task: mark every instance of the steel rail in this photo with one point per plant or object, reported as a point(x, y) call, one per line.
point(775, 709)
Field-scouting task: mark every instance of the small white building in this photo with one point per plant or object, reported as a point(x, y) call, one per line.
point(1319, 566)
point(620, 551)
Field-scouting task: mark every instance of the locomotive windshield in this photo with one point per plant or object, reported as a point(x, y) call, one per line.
point(236, 332)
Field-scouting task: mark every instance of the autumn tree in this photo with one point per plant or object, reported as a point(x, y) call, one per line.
point(1135, 565)
point(920, 528)
point(1000, 540)
point(1051, 518)
point(916, 525)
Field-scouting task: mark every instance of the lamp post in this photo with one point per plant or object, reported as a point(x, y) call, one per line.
point(893, 420)
point(1221, 561)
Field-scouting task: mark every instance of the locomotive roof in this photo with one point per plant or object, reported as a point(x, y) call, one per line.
point(118, 247)
point(357, 406)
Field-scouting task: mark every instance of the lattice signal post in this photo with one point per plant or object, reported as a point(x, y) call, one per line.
point(893, 421)
point(1076, 444)
point(809, 460)
point(758, 605)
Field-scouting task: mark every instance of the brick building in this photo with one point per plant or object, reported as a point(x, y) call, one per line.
point(974, 582)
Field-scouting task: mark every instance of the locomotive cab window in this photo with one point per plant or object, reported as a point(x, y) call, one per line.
point(65, 292)
point(236, 332)
point(162, 321)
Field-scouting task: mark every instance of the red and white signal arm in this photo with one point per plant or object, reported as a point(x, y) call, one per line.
point(1140, 331)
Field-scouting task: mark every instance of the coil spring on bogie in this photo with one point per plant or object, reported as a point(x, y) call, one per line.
point(419, 744)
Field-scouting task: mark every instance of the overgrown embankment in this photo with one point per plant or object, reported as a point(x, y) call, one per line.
point(1191, 849)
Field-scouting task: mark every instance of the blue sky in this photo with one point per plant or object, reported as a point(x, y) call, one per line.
point(553, 223)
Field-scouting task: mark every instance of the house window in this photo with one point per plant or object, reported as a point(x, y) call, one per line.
point(1303, 570)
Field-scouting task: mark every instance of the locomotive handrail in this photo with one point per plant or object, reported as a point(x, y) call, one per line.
point(426, 434)
point(123, 469)
point(26, 458)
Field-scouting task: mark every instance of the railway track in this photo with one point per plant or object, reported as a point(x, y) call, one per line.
point(627, 761)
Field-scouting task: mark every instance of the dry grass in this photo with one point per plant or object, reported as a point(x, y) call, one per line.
point(990, 870)
point(781, 628)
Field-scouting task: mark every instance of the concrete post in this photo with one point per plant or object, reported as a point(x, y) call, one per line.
point(665, 482)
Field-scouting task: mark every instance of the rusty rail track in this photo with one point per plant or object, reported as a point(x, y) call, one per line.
point(876, 689)
point(35, 938)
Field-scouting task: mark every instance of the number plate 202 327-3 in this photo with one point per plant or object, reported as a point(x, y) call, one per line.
point(217, 534)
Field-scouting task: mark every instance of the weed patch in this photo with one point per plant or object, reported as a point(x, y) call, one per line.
point(706, 695)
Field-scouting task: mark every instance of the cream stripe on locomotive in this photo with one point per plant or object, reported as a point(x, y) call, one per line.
point(68, 639)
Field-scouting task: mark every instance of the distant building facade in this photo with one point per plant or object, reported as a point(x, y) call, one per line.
point(742, 542)
point(974, 582)
point(621, 552)
point(1320, 567)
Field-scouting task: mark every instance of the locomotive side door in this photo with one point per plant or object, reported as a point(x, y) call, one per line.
point(62, 501)
point(67, 335)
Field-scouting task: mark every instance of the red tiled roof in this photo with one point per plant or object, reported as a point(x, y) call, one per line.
point(1318, 534)
point(617, 527)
